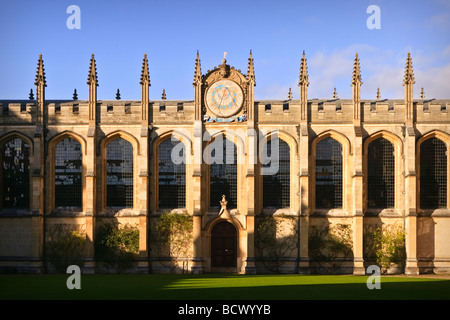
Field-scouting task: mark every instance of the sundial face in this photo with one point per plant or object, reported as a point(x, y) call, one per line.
point(224, 98)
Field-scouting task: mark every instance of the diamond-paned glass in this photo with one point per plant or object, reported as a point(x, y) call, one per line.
point(381, 174)
point(172, 174)
point(276, 187)
point(16, 174)
point(433, 174)
point(328, 174)
point(68, 170)
point(223, 175)
point(119, 173)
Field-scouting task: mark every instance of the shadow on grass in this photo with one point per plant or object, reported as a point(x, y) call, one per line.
point(220, 287)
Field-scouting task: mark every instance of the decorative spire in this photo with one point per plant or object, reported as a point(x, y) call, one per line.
point(92, 77)
point(335, 95)
point(303, 79)
point(378, 93)
point(163, 94)
point(40, 74)
point(289, 94)
point(198, 71)
point(75, 94)
point(118, 94)
point(356, 79)
point(145, 76)
point(409, 73)
point(422, 94)
point(251, 70)
point(31, 96)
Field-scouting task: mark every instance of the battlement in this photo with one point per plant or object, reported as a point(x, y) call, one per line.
point(170, 111)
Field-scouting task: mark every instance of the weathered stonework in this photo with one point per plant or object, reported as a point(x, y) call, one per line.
point(302, 124)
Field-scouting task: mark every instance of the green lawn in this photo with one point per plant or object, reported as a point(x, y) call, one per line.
point(220, 287)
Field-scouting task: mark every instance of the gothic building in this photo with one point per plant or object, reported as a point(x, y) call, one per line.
point(348, 165)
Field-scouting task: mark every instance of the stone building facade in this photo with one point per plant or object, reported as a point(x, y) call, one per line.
point(352, 164)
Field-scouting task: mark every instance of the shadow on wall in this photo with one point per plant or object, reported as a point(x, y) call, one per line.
point(330, 247)
point(116, 246)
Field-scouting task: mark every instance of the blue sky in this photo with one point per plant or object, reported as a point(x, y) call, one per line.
point(119, 32)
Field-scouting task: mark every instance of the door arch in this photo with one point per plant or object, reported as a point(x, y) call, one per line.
point(223, 245)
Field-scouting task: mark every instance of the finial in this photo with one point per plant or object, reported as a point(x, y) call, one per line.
point(378, 93)
point(163, 94)
point(145, 76)
point(224, 60)
point(289, 94)
point(92, 77)
point(335, 95)
point(198, 71)
point(356, 79)
point(40, 73)
point(223, 205)
point(75, 94)
point(31, 96)
point(409, 73)
point(422, 94)
point(118, 95)
point(303, 79)
point(356, 71)
point(251, 68)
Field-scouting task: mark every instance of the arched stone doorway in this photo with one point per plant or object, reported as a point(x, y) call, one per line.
point(223, 245)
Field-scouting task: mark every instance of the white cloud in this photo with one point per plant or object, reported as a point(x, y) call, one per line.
point(276, 92)
point(440, 21)
point(380, 68)
point(435, 81)
point(446, 51)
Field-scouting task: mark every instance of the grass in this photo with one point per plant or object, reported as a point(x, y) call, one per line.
point(220, 287)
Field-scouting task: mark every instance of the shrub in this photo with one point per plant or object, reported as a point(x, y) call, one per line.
point(329, 247)
point(117, 247)
point(389, 246)
point(173, 236)
point(65, 250)
point(275, 239)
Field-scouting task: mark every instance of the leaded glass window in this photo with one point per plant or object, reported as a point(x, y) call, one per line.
point(172, 176)
point(381, 174)
point(223, 175)
point(276, 187)
point(68, 169)
point(16, 174)
point(119, 173)
point(328, 174)
point(433, 174)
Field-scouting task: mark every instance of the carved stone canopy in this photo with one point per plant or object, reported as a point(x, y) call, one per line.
point(221, 72)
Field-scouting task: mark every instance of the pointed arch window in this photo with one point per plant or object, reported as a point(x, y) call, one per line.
point(171, 175)
point(223, 174)
point(328, 174)
point(68, 173)
point(119, 174)
point(15, 174)
point(276, 187)
point(433, 174)
point(381, 174)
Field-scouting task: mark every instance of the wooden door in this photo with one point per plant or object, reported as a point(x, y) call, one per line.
point(223, 245)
